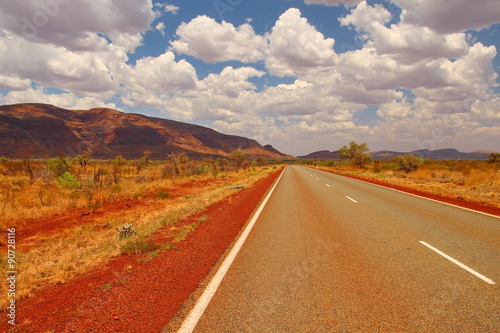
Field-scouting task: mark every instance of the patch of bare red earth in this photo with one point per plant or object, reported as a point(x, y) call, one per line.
point(137, 293)
point(454, 201)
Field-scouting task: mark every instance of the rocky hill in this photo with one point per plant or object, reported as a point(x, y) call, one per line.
point(50, 131)
point(440, 154)
point(322, 155)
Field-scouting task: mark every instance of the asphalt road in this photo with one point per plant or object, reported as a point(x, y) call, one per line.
point(332, 254)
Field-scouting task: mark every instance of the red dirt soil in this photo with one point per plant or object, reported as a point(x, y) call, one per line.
point(470, 205)
point(136, 293)
point(31, 231)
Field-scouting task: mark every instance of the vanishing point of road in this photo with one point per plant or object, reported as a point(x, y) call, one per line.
point(332, 254)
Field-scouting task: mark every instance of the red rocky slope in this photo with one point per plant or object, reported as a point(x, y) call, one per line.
point(51, 131)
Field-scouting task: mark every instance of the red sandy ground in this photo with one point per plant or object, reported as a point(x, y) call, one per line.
point(133, 295)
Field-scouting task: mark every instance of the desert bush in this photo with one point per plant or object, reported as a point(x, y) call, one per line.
point(68, 180)
point(408, 162)
point(140, 179)
point(196, 170)
point(45, 192)
point(179, 160)
point(83, 160)
point(138, 166)
point(328, 163)
point(99, 176)
point(222, 164)
point(215, 172)
point(117, 166)
point(126, 231)
point(240, 159)
point(167, 170)
point(493, 158)
point(119, 161)
point(7, 194)
point(58, 166)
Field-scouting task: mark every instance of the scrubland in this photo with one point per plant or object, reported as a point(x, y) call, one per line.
point(469, 180)
point(156, 195)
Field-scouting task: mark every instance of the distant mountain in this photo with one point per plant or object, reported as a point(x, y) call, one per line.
point(440, 154)
point(50, 131)
point(322, 155)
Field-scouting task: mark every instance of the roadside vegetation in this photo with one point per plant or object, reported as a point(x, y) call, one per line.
point(475, 181)
point(33, 190)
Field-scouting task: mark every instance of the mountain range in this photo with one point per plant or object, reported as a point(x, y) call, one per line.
point(439, 154)
point(47, 131)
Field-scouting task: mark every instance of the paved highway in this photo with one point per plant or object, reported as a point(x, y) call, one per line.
point(333, 254)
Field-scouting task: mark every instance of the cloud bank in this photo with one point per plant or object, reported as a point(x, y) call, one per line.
point(421, 71)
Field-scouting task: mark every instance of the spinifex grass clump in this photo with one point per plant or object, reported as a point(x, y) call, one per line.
point(126, 231)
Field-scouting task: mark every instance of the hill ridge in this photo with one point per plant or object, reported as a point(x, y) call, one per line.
point(50, 131)
point(439, 154)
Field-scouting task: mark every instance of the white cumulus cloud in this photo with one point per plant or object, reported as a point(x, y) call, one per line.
point(78, 24)
point(451, 15)
point(295, 46)
point(64, 100)
point(169, 8)
point(213, 42)
point(161, 28)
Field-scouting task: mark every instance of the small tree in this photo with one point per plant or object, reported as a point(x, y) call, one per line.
point(179, 159)
point(146, 153)
point(493, 158)
point(117, 164)
point(408, 162)
point(68, 180)
point(240, 157)
point(222, 164)
point(83, 160)
point(119, 161)
point(355, 153)
point(58, 166)
point(27, 154)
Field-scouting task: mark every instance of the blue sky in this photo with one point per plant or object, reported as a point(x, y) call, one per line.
point(302, 75)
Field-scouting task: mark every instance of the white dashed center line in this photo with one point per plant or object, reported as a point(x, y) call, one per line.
point(458, 263)
point(348, 197)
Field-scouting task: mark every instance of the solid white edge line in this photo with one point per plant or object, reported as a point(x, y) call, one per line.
point(416, 195)
point(194, 316)
point(348, 197)
point(456, 262)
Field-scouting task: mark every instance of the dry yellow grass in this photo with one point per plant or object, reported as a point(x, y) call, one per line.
point(62, 257)
point(473, 181)
point(21, 199)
